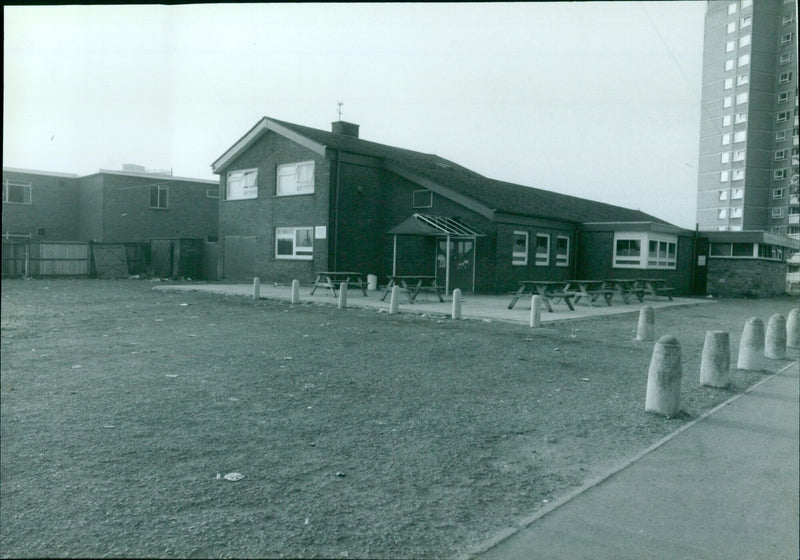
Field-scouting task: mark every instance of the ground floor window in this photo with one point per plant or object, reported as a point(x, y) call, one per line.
point(645, 250)
point(519, 252)
point(542, 249)
point(562, 250)
point(294, 242)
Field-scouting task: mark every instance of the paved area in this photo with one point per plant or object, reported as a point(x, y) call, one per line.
point(481, 307)
point(725, 487)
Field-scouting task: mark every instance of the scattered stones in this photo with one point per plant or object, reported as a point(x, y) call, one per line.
point(233, 476)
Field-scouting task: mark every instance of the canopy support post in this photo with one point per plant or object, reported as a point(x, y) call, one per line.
point(394, 258)
point(447, 269)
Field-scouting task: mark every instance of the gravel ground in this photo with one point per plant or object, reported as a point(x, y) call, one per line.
point(359, 434)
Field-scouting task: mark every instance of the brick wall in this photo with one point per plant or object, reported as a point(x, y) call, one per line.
point(260, 216)
point(753, 278)
point(508, 274)
point(128, 217)
point(53, 207)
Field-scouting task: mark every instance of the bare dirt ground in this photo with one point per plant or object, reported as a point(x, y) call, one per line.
point(359, 434)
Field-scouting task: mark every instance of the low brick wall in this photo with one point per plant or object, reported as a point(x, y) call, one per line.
point(753, 278)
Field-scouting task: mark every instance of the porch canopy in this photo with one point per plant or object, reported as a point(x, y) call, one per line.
point(426, 225)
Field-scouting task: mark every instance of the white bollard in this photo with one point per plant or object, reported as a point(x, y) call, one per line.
point(295, 291)
point(646, 330)
point(394, 303)
point(664, 378)
point(256, 288)
point(343, 295)
point(715, 365)
point(775, 339)
point(536, 311)
point(793, 328)
point(372, 282)
point(457, 303)
point(751, 346)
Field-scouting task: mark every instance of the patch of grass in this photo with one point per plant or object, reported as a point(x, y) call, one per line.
point(359, 434)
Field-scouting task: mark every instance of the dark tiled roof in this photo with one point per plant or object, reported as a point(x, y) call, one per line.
point(498, 195)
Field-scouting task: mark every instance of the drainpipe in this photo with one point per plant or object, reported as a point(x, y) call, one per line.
point(693, 287)
point(336, 216)
point(574, 266)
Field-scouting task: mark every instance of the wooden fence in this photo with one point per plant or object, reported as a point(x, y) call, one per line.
point(24, 257)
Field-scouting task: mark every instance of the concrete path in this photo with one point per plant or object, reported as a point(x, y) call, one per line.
point(474, 306)
point(725, 487)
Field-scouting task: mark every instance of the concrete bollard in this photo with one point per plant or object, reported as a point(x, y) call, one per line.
point(394, 303)
point(793, 328)
point(536, 311)
point(343, 295)
point(372, 282)
point(664, 378)
point(715, 365)
point(646, 330)
point(775, 339)
point(295, 291)
point(457, 303)
point(256, 288)
point(751, 346)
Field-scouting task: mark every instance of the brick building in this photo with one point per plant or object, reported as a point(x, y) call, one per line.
point(107, 207)
point(295, 200)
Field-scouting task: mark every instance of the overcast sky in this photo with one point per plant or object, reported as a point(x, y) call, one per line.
point(599, 100)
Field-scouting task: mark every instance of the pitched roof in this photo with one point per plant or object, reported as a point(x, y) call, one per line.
point(495, 195)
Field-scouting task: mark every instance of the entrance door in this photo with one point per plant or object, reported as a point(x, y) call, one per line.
point(462, 264)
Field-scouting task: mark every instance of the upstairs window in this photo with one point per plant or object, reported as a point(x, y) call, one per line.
point(736, 212)
point(242, 184)
point(159, 196)
point(737, 194)
point(777, 194)
point(295, 178)
point(422, 199)
point(15, 192)
point(785, 78)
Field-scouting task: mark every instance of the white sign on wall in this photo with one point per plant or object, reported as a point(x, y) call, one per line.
point(320, 232)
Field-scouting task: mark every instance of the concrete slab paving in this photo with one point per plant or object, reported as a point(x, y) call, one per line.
point(474, 306)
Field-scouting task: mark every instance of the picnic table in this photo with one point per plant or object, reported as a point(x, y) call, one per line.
point(413, 285)
point(592, 290)
point(332, 279)
point(550, 292)
point(655, 287)
point(625, 287)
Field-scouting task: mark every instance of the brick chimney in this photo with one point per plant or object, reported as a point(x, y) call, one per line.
point(346, 128)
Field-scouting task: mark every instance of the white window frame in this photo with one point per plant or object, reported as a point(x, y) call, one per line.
point(737, 194)
point(724, 175)
point(161, 195)
point(743, 60)
point(777, 212)
point(726, 139)
point(289, 181)
point(731, 27)
point(643, 260)
point(729, 64)
point(739, 136)
point(519, 257)
point(780, 155)
point(723, 194)
point(417, 203)
point(725, 157)
point(740, 118)
point(299, 252)
point(736, 212)
point(562, 259)
point(778, 194)
point(242, 184)
point(781, 136)
point(745, 22)
point(783, 116)
point(727, 102)
point(212, 193)
point(541, 259)
point(779, 174)
point(788, 18)
point(742, 98)
point(738, 175)
point(722, 213)
point(783, 97)
point(742, 79)
point(728, 83)
point(25, 188)
point(730, 46)
point(732, 8)
point(744, 40)
point(787, 38)
point(785, 78)
point(785, 58)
